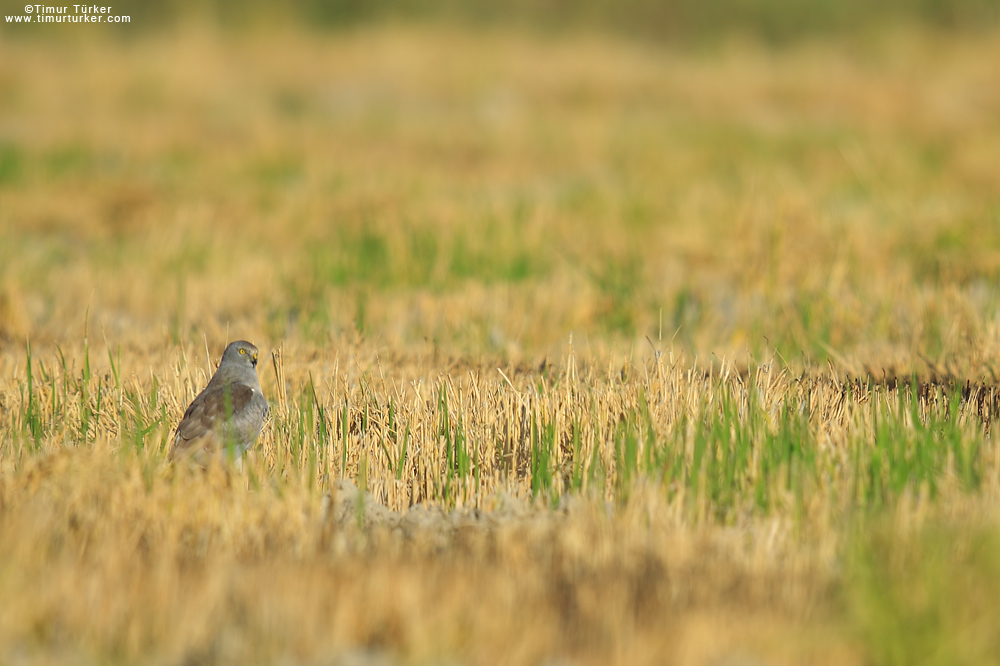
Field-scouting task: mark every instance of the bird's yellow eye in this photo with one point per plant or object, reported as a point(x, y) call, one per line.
point(243, 351)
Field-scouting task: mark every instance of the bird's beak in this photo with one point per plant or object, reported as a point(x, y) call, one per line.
point(254, 361)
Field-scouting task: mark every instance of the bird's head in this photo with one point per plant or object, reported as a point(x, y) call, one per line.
point(240, 351)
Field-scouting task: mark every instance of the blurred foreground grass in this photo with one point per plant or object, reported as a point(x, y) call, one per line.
point(742, 301)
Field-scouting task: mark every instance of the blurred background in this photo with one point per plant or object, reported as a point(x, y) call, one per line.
point(730, 178)
point(676, 21)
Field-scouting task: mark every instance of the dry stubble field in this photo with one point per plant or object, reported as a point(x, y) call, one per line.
point(637, 355)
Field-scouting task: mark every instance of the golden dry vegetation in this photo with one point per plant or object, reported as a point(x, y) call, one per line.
point(637, 355)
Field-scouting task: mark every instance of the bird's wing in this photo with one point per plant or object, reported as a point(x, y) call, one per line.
point(207, 413)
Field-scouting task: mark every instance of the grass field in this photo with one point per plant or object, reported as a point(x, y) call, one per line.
point(637, 354)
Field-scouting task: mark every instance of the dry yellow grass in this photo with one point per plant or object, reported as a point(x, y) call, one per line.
point(525, 286)
point(111, 553)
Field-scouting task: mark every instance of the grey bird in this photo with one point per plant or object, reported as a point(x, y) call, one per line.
point(224, 419)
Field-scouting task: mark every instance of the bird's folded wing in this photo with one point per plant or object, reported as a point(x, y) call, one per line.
point(206, 414)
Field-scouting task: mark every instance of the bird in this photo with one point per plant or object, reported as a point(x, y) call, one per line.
point(225, 419)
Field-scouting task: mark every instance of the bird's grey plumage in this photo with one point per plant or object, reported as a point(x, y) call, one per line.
point(227, 416)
